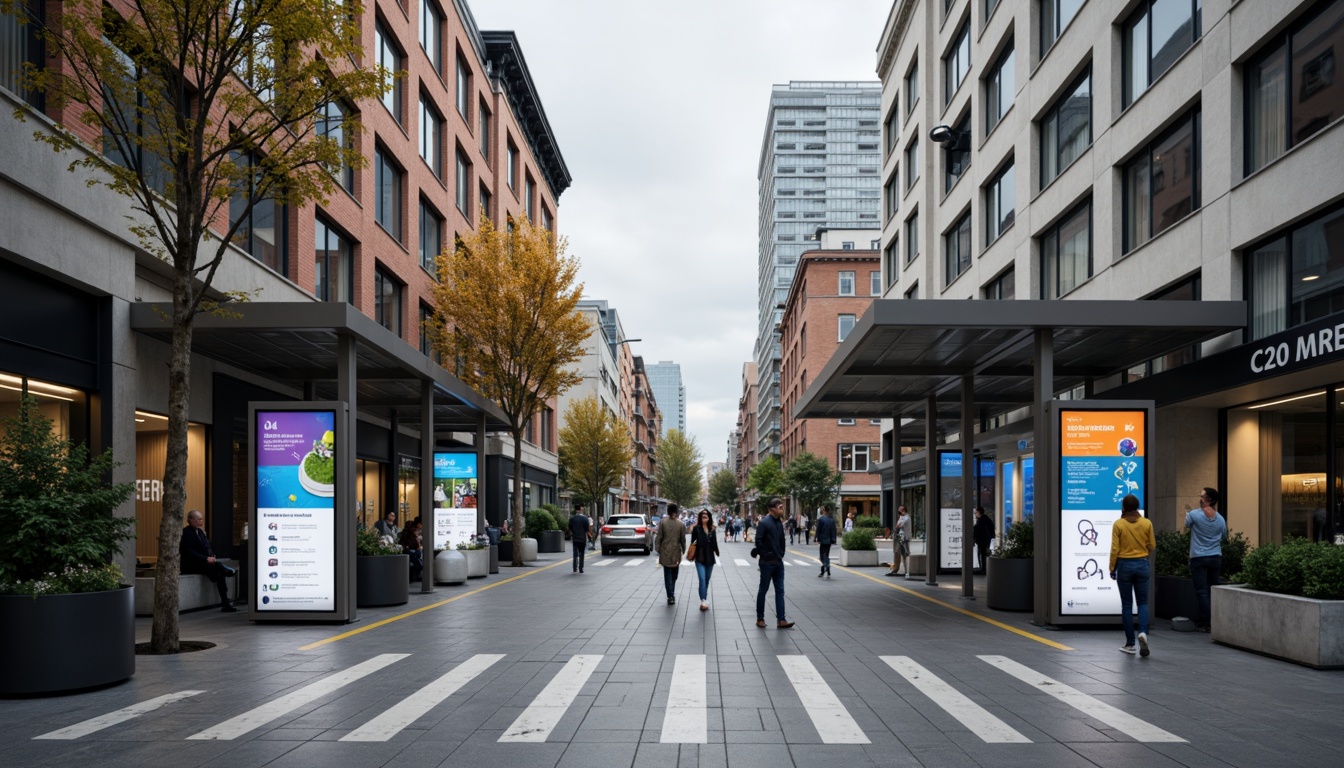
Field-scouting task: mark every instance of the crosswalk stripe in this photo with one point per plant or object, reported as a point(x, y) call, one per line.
point(633, 563)
point(120, 716)
point(802, 562)
point(601, 563)
point(1094, 708)
point(255, 718)
point(544, 713)
point(413, 707)
point(741, 563)
point(976, 718)
point(687, 718)
point(829, 716)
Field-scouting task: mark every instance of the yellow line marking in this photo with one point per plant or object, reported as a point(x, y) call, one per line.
point(424, 608)
point(958, 609)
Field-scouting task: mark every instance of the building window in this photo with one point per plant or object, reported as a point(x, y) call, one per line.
point(426, 337)
point(892, 130)
point(511, 170)
point(431, 33)
point(1290, 94)
point(129, 149)
point(331, 124)
point(844, 422)
point(957, 62)
point(999, 89)
point(911, 238)
point(386, 300)
point(1055, 16)
point(389, 57)
point(847, 245)
point(911, 163)
point(1002, 287)
point(431, 137)
point(333, 262)
point(431, 237)
point(463, 88)
point(463, 194)
point(21, 41)
point(990, 5)
point(957, 154)
point(530, 199)
point(547, 221)
point(1162, 182)
point(486, 200)
point(1186, 290)
point(387, 193)
point(261, 227)
point(875, 283)
point(1000, 203)
point(846, 283)
point(1066, 130)
point(844, 324)
point(957, 250)
point(1154, 38)
point(911, 87)
point(1297, 275)
point(1066, 253)
point(891, 258)
point(859, 457)
point(913, 291)
point(483, 128)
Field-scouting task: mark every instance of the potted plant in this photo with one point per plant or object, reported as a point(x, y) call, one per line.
point(60, 598)
point(858, 549)
point(1173, 589)
point(540, 524)
point(1009, 571)
point(382, 572)
point(478, 558)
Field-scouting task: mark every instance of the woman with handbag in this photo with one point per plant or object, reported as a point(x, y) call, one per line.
point(703, 552)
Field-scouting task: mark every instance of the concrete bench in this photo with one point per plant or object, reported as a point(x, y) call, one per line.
point(194, 591)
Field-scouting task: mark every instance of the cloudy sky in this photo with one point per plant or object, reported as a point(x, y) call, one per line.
point(659, 109)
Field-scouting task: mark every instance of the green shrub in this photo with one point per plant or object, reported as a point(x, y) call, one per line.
point(1324, 574)
point(1019, 542)
point(1235, 549)
point(470, 546)
point(868, 521)
point(369, 543)
point(537, 522)
point(1173, 554)
point(1255, 568)
point(1297, 567)
point(858, 539)
point(73, 580)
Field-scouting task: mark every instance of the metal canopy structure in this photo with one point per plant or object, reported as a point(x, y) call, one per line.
point(300, 344)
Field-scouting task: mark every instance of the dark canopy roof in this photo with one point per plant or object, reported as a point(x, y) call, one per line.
point(298, 343)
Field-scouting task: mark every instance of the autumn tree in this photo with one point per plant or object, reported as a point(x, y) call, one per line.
point(723, 489)
point(505, 312)
point(812, 481)
point(766, 478)
point(679, 468)
point(595, 449)
point(205, 108)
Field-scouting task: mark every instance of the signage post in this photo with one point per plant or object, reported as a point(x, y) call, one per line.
point(950, 512)
point(455, 486)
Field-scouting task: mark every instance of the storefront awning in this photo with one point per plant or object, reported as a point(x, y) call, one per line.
point(301, 345)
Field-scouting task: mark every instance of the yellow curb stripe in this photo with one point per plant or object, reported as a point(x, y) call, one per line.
point(424, 608)
point(949, 606)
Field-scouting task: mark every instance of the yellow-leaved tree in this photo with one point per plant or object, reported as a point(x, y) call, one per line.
point(595, 450)
point(505, 322)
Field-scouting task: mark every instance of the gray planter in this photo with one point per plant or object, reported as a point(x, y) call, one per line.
point(450, 567)
point(551, 541)
point(1175, 596)
point(1009, 582)
point(478, 562)
point(858, 558)
point(494, 558)
point(382, 580)
point(1298, 629)
point(66, 642)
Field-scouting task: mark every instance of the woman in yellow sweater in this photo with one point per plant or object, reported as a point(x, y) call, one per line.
point(1132, 541)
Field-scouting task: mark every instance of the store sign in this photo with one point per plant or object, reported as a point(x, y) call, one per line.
point(949, 492)
point(295, 536)
point(454, 499)
point(1101, 460)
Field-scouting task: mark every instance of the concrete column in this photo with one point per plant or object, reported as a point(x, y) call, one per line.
point(932, 491)
point(1045, 515)
point(427, 484)
point(969, 494)
point(480, 474)
point(346, 366)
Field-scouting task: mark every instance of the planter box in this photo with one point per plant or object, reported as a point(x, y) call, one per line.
point(1299, 629)
point(550, 541)
point(382, 580)
point(858, 558)
point(916, 565)
point(450, 567)
point(494, 558)
point(1174, 596)
point(66, 642)
point(1009, 583)
point(529, 547)
point(478, 562)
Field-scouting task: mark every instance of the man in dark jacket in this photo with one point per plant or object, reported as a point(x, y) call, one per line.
point(770, 546)
point(826, 532)
point(198, 557)
point(580, 528)
point(983, 534)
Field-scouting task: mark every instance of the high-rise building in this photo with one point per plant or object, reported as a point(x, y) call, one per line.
point(820, 166)
point(668, 389)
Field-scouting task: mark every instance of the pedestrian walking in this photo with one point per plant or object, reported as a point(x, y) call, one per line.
point(580, 528)
point(900, 543)
point(825, 539)
point(747, 524)
point(1132, 541)
point(1208, 531)
point(770, 548)
point(792, 527)
point(849, 522)
point(806, 528)
point(703, 552)
point(671, 545)
point(983, 533)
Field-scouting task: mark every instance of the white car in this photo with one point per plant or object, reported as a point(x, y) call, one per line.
point(626, 532)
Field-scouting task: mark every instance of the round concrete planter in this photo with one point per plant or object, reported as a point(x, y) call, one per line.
point(450, 567)
point(382, 580)
point(530, 550)
point(551, 541)
point(478, 562)
point(1009, 583)
point(529, 547)
point(66, 642)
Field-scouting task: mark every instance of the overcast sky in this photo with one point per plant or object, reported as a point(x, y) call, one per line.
point(659, 109)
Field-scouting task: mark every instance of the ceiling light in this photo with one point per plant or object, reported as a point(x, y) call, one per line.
point(1288, 400)
point(1309, 278)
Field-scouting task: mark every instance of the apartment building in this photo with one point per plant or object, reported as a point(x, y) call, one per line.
point(670, 390)
point(746, 457)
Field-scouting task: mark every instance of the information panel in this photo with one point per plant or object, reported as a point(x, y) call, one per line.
point(295, 535)
point(454, 499)
point(1008, 468)
point(1101, 460)
point(1028, 487)
point(949, 494)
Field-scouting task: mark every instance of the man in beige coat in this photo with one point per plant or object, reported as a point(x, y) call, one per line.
point(671, 545)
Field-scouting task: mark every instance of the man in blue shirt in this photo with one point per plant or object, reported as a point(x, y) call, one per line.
point(1207, 530)
point(770, 546)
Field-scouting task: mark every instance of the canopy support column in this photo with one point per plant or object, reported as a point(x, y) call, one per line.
point(1044, 360)
point(427, 485)
point(932, 492)
point(969, 495)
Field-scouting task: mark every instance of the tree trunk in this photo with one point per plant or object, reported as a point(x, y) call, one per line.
point(164, 636)
point(517, 497)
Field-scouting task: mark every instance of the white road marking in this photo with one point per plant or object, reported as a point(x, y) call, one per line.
point(633, 563)
point(802, 562)
point(120, 716)
point(601, 563)
point(255, 718)
point(976, 718)
point(741, 563)
point(1098, 710)
point(413, 707)
point(687, 718)
point(829, 716)
point(540, 718)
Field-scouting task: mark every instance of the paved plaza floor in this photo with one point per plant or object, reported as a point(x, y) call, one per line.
point(540, 666)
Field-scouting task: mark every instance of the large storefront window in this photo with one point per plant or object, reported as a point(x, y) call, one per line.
point(62, 405)
point(369, 495)
point(408, 489)
point(151, 453)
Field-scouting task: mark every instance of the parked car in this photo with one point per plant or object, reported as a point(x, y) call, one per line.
point(627, 532)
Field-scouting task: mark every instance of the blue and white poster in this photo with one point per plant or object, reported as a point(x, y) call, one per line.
point(454, 499)
point(295, 538)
